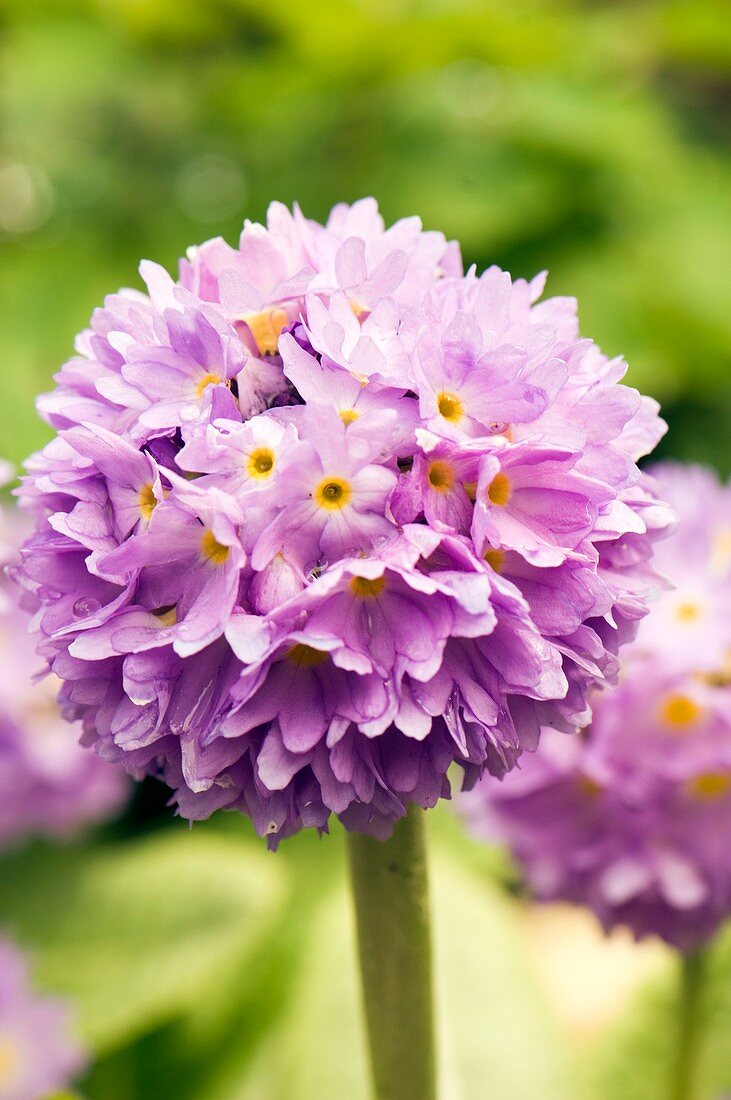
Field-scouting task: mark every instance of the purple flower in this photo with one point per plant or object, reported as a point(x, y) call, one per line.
point(325, 516)
point(48, 783)
point(39, 1054)
point(633, 818)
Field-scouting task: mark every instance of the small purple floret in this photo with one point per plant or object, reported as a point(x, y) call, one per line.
point(48, 783)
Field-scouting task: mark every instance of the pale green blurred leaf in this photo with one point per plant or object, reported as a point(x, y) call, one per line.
point(634, 1060)
point(491, 1008)
point(138, 933)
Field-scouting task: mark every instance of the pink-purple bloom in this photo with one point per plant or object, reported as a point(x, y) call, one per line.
point(633, 818)
point(326, 515)
point(39, 1053)
point(48, 783)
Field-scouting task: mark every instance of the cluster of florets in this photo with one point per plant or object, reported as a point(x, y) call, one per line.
point(634, 818)
point(325, 515)
point(48, 782)
point(39, 1053)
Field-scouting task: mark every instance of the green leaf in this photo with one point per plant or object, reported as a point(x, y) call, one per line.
point(138, 934)
point(634, 1060)
point(491, 1007)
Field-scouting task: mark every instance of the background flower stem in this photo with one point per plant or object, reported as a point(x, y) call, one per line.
point(684, 1084)
point(390, 888)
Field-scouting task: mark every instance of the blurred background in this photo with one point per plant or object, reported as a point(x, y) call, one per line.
point(589, 138)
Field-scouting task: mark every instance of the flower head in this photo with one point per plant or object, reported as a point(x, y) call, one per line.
point(633, 818)
point(324, 516)
point(48, 782)
point(38, 1052)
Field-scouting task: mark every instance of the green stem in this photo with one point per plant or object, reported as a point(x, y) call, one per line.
point(684, 1085)
point(389, 881)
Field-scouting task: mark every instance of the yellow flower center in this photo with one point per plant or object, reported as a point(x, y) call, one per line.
point(499, 490)
point(213, 549)
point(721, 552)
point(348, 416)
point(721, 677)
point(207, 380)
point(680, 711)
point(260, 463)
point(495, 559)
point(333, 493)
point(709, 786)
point(687, 612)
point(450, 407)
point(147, 501)
point(361, 586)
point(166, 616)
point(589, 787)
point(358, 309)
point(441, 475)
point(305, 656)
point(266, 328)
point(9, 1060)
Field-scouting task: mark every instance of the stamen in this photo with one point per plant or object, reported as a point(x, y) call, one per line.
point(450, 407)
point(441, 475)
point(333, 493)
point(721, 676)
point(306, 656)
point(500, 490)
point(709, 786)
point(687, 612)
point(207, 380)
point(680, 711)
point(9, 1061)
point(495, 559)
point(147, 501)
point(589, 787)
point(266, 328)
point(348, 416)
point(366, 589)
point(213, 549)
point(260, 463)
point(166, 616)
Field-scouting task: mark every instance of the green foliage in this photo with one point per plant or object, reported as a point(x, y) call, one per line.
point(489, 1002)
point(136, 932)
point(635, 1059)
point(588, 138)
point(204, 968)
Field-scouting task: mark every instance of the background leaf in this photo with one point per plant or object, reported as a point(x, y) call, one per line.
point(489, 999)
point(635, 1058)
point(137, 933)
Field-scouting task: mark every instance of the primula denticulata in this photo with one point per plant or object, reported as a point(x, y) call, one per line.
point(325, 515)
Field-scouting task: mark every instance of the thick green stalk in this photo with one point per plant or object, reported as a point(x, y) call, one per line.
point(392, 911)
point(684, 1084)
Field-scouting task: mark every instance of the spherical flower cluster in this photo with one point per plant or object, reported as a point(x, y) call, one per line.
point(325, 515)
point(38, 1052)
point(633, 819)
point(48, 782)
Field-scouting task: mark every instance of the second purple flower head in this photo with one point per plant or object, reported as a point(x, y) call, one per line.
point(633, 819)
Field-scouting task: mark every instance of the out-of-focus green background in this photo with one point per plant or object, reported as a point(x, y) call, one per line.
point(589, 138)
